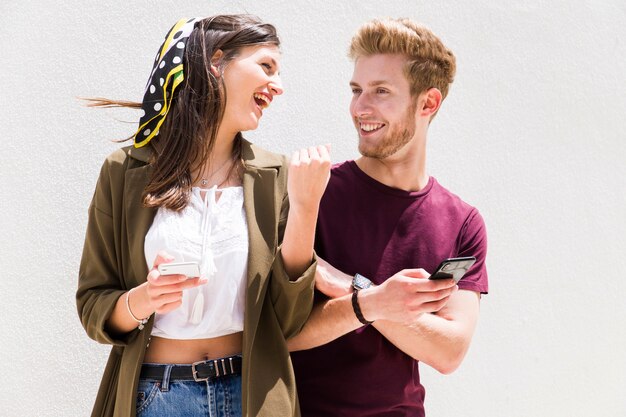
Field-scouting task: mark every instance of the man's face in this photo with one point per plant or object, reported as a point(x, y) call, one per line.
point(382, 108)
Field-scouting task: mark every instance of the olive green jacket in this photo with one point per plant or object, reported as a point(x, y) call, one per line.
point(113, 261)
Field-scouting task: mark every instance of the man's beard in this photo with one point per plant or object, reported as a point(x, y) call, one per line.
point(395, 139)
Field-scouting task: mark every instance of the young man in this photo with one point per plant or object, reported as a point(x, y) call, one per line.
point(358, 353)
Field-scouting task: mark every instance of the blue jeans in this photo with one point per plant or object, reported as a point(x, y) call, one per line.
point(219, 397)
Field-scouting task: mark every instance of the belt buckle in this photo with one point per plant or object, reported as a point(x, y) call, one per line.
point(194, 372)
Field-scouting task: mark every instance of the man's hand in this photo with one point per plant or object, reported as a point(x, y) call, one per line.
point(404, 297)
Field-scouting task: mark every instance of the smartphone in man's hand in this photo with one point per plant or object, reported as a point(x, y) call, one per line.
point(453, 268)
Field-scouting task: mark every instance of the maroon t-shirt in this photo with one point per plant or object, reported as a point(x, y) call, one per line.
point(367, 227)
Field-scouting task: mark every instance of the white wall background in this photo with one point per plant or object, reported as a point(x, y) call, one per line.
point(532, 133)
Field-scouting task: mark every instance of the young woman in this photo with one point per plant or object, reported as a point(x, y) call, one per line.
point(191, 189)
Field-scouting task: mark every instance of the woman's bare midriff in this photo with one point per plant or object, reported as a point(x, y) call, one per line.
point(178, 351)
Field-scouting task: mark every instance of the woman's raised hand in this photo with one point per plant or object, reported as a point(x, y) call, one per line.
point(309, 172)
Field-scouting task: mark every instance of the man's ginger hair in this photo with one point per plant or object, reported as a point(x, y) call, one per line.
point(429, 62)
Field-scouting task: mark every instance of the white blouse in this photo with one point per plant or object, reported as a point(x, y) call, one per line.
point(214, 234)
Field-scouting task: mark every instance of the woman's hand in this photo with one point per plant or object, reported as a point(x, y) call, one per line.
point(161, 293)
point(309, 172)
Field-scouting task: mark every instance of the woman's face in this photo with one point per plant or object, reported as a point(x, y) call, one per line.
point(251, 80)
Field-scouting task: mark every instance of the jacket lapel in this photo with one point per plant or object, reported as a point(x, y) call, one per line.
point(262, 207)
point(138, 218)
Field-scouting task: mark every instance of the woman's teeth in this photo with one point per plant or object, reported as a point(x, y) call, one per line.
point(262, 100)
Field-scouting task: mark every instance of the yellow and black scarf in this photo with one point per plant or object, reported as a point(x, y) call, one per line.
point(166, 75)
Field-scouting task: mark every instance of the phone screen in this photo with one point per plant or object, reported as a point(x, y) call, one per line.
point(190, 269)
point(453, 268)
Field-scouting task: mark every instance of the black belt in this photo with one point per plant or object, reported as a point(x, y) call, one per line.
point(198, 371)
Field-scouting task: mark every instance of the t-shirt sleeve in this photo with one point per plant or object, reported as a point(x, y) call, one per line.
point(473, 242)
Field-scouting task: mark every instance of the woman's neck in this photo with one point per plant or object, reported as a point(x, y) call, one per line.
point(217, 169)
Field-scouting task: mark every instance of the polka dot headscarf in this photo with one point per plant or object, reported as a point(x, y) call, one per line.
point(166, 75)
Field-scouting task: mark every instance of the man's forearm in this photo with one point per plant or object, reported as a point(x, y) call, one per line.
point(329, 320)
point(440, 340)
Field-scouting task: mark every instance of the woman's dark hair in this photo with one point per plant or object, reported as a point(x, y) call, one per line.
point(188, 134)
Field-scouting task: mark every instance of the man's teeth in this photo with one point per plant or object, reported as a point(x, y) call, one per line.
point(263, 98)
point(368, 127)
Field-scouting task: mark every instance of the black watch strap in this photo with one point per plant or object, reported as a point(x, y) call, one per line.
point(357, 308)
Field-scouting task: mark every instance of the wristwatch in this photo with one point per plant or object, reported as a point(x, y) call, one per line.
point(359, 282)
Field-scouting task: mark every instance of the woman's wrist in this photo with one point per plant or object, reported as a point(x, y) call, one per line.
point(137, 305)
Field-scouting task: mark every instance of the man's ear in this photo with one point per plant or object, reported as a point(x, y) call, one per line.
point(215, 63)
point(429, 102)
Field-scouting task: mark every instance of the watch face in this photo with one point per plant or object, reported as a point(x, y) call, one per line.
point(359, 282)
